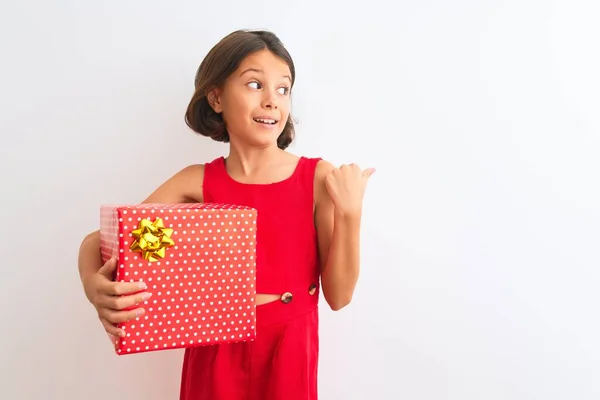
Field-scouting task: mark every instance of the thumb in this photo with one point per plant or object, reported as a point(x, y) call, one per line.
point(368, 172)
point(108, 268)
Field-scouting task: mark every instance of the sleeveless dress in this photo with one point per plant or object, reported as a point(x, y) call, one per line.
point(281, 363)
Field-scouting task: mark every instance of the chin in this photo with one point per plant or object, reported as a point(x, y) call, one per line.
point(263, 142)
point(265, 135)
point(259, 136)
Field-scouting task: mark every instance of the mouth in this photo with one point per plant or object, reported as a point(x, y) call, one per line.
point(266, 121)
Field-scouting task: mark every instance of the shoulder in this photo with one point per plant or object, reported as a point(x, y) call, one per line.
point(193, 171)
point(323, 169)
point(185, 185)
point(190, 181)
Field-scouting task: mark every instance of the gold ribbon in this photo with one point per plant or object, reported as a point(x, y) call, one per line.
point(152, 239)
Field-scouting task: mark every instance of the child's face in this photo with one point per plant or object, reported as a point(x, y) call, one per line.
point(255, 100)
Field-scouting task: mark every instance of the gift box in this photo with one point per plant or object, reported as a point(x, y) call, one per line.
point(198, 261)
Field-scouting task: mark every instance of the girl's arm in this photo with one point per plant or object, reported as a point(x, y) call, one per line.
point(111, 298)
point(338, 211)
point(184, 186)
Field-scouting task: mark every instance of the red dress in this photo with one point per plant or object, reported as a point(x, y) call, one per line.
point(282, 362)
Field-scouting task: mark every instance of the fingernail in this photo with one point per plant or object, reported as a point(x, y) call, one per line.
point(139, 312)
point(146, 296)
point(142, 286)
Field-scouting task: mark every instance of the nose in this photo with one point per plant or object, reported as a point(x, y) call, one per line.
point(269, 100)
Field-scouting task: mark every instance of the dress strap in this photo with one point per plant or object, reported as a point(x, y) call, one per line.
point(306, 174)
point(213, 178)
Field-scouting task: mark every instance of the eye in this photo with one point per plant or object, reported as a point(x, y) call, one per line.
point(284, 90)
point(254, 85)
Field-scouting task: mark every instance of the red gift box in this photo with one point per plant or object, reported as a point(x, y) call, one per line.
point(199, 263)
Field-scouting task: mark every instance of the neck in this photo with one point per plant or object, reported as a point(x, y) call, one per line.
point(244, 160)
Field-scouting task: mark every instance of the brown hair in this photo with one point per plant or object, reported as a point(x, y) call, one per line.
point(220, 62)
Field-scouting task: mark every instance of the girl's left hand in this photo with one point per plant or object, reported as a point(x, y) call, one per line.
point(346, 187)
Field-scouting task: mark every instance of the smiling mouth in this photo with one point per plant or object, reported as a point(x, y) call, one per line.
point(266, 121)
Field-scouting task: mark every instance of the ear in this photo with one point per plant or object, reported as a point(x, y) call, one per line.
point(214, 99)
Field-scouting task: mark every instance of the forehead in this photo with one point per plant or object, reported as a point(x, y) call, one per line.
point(265, 62)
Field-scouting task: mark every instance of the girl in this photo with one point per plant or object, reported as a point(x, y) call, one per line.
point(309, 217)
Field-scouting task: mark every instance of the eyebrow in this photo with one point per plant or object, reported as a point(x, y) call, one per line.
point(260, 71)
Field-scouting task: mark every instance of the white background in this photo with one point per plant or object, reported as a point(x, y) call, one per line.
point(481, 225)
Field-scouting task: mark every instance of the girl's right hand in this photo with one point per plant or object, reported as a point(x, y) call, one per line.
point(115, 301)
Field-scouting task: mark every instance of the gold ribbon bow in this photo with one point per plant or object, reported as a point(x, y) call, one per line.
point(152, 239)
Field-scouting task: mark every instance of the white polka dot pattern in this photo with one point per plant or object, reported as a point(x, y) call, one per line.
point(203, 290)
